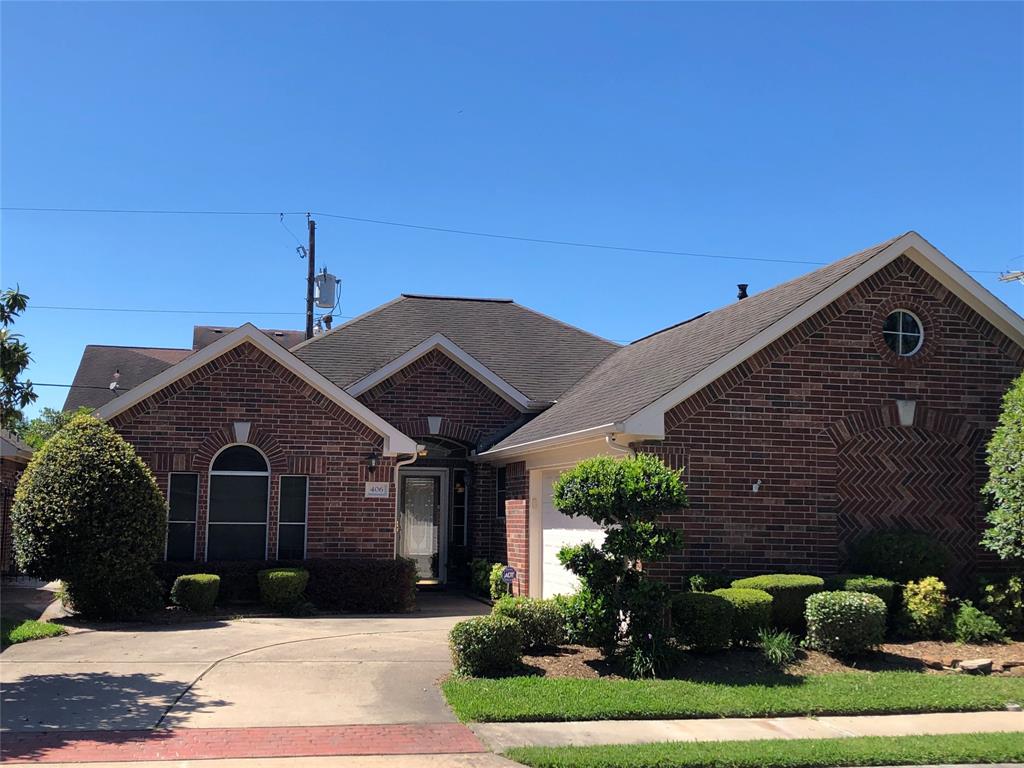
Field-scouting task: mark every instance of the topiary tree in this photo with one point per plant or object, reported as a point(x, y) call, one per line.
point(626, 497)
point(88, 512)
point(1005, 486)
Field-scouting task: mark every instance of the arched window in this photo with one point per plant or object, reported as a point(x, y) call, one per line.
point(239, 495)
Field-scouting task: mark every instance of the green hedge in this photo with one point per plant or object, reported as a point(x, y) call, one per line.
point(196, 592)
point(282, 588)
point(541, 620)
point(487, 646)
point(752, 612)
point(789, 593)
point(702, 620)
point(845, 623)
point(886, 589)
point(356, 585)
point(900, 555)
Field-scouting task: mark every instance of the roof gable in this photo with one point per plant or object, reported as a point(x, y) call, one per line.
point(99, 363)
point(448, 347)
point(394, 441)
point(536, 355)
point(632, 390)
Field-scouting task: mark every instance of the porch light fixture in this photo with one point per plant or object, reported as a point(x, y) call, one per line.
point(371, 461)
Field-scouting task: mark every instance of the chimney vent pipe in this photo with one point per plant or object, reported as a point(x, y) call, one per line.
point(742, 293)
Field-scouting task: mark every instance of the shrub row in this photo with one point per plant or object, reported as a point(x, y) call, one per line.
point(358, 585)
point(789, 593)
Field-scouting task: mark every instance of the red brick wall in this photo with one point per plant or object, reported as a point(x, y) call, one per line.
point(517, 524)
point(435, 385)
point(10, 471)
point(182, 427)
point(813, 417)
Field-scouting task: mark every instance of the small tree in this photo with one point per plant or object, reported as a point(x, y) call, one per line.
point(88, 512)
point(626, 497)
point(1005, 486)
point(14, 359)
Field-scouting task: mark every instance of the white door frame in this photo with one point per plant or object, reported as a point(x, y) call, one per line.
point(442, 534)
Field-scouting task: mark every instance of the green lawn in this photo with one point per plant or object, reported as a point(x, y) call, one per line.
point(522, 699)
point(21, 630)
point(801, 753)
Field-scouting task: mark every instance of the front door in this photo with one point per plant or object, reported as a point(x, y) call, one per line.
point(421, 524)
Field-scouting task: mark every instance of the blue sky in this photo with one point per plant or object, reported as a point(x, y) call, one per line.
point(771, 130)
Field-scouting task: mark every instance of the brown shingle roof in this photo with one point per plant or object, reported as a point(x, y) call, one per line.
point(203, 335)
point(538, 355)
point(638, 374)
point(99, 363)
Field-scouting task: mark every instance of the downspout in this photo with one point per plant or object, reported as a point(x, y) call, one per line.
point(398, 466)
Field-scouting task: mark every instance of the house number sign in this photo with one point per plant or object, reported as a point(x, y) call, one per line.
point(377, 490)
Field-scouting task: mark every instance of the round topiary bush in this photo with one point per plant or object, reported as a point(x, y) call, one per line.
point(900, 555)
point(752, 612)
point(196, 592)
point(923, 614)
point(541, 620)
point(88, 512)
point(702, 621)
point(282, 588)
point(845, 623)
point(789, 593)
point(871, 585)
point(486, 646)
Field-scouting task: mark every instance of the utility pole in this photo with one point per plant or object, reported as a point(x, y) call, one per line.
point(310, 273)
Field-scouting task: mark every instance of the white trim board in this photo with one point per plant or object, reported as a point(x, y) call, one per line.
point(443, 344)
point(395, 442)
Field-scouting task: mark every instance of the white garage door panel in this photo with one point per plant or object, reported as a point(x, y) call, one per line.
point(561, 531)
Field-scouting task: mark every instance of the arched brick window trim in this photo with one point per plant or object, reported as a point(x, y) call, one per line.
point(219, 438)
point(448, 429)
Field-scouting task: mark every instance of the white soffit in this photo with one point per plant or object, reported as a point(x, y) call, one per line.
point(442, 343)
point(394, 441)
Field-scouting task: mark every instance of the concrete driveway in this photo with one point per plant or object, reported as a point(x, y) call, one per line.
point(242, 673)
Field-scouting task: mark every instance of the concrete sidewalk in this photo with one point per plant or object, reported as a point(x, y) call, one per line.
point(501, 736)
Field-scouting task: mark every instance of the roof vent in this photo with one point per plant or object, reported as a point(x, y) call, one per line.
point(742, 293)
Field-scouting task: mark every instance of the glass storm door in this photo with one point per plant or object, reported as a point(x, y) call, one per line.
point(420, 524)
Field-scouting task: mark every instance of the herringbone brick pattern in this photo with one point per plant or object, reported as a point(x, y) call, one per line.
point(909, 478)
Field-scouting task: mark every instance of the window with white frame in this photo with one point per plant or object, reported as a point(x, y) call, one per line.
point(291, 522)
point(182, 501)
point(903, 333)
point(239, 498)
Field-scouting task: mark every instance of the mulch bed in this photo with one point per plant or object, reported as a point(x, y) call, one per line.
point(928, 657)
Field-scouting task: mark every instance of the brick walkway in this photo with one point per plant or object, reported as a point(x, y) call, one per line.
point(209, 743)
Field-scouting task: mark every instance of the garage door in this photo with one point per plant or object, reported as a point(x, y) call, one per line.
point(559, 531)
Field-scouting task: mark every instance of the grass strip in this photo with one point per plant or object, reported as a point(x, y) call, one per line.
point(533, 699)
point(22, 630)
point(782, 753)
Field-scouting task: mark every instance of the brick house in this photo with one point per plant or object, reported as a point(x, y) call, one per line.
point(14, 456)
point(856, 397)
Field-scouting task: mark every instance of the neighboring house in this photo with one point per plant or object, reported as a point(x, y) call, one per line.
point(14, 455)
point(854, 398)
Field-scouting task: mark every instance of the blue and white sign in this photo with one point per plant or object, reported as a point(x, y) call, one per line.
point(508, 574)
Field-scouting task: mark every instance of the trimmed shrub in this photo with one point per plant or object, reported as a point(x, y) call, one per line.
point(702, 621)
point(1005, 486)
point(498, 587)
point(587, 620)
point(752, 612)
point(845, 623)
point(900, 555)
point(196, 592)
point(282, 588)
point(480, 576)
point(88, 512)
point(1002, 598)
point(706, 582)
point(357, 585)
point(777, 646)
point(487, 646)
point(541, 620)
point(924, 608)
point(972, 626)
point(789, 593)
point(871, 585)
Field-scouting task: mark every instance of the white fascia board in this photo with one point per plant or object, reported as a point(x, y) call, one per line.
point(546, 443)
point(441, 342)
point(914, 246)
point(395, 442)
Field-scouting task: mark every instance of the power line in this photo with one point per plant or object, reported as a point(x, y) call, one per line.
point(76, 386)
point(168, 311)
point(446, 230)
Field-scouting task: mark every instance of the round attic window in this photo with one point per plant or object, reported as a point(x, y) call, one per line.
point(903, 332)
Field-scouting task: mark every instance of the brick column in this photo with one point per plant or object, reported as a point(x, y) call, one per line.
point(517, 525)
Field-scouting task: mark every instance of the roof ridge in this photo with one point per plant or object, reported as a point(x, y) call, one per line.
point(454, 298)
point(139, 346)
